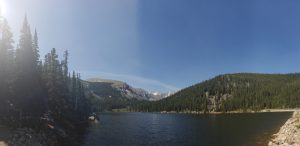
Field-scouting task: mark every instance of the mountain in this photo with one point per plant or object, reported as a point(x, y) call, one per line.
point(113, 94)
point(154, 96)
point(242, 91)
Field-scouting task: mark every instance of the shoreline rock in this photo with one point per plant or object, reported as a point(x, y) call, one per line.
point(30, 137)
point(2, 143)
point(289, 133)
point(230, 112)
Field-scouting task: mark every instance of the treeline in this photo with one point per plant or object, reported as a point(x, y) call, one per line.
point(109, 104)
point(31, 88)
point(231, 92)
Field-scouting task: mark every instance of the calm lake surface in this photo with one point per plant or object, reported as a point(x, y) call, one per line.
point(147, 129)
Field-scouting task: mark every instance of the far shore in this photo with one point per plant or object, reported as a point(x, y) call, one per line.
point(233, 112)
point(213, 112)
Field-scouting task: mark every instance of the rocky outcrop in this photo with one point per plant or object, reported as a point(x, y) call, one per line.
point(30, 137)
point(289, 133)
point(102, 88)
point(215, 101)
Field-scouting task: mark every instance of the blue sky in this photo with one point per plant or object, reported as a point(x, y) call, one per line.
point(163, 45)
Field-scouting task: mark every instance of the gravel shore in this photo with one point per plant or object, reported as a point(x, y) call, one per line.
point(2, 143)
point(289, 133)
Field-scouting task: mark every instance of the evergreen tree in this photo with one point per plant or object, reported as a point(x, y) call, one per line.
point(29, 92)
point(65, 71)
point(29, 87)
point(36, 47)
point(65, 67)
point(52, 75)
point(6, 66)
point(74, 91)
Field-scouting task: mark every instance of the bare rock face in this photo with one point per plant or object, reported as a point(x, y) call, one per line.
point(289, 133)
point(215, 102)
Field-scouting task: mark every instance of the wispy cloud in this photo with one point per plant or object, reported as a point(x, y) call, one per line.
point(136, 81)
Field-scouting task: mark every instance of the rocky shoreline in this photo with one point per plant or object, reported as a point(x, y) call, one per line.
point(43, 137)
point(289, 133)
point(27, 137)
point(230, 112)
point(2, 143)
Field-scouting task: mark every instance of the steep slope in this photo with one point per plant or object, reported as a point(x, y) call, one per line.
point(112, 94)
point(154, 96)
point(229, 92)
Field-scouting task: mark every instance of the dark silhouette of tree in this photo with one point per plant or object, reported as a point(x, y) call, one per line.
point(30, 88)
point(29, 94)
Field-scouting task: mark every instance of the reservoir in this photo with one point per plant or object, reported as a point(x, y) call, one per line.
point(155, 129)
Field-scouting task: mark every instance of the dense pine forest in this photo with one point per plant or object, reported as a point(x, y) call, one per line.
point(35, 92)
point(244, 91)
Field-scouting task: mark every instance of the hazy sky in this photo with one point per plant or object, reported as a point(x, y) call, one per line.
point(163, 45)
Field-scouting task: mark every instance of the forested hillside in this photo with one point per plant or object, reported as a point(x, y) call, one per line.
point(35, 93)
point(243, 91)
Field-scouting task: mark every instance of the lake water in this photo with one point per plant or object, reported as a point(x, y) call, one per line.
point(4, 133)
point(147, 129)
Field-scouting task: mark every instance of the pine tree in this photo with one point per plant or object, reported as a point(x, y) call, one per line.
point(65, 72)
point(53, 78)
point(82, 104)
point(65, 65)
point(29, 87)
point(74, 90)
point(29, 92)
point(6, 65)
point(36, 47)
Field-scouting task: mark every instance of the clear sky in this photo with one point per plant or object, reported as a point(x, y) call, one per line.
point(163, 45)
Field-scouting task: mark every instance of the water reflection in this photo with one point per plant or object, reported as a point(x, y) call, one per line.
point(177, 129)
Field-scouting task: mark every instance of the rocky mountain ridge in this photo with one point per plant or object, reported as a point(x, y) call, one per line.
point(125, 90)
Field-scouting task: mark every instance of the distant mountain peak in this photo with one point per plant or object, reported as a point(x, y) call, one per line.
point(124, 89)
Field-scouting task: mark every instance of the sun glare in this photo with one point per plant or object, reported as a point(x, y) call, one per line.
point(3, 8)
